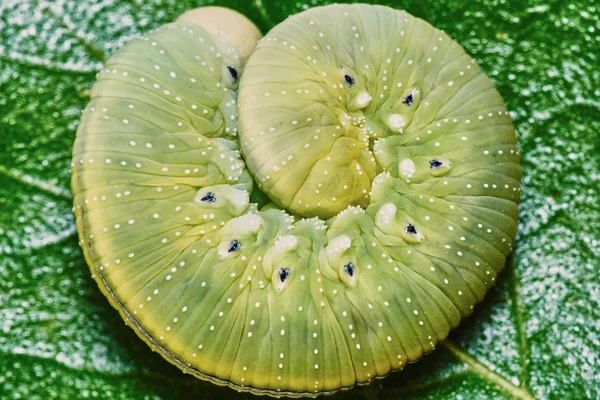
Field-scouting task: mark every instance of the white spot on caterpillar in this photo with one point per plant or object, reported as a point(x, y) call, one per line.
point(407, 167)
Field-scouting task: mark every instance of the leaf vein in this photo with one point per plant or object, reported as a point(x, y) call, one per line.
point(263, 12)
point(95, 50)
point(47, 187)
point(485, 373)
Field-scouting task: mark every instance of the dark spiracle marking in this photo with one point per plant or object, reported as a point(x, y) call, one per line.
point(435, 164)
point(233, 72)
point(234, 246)
point(349, 80)
point(349, 268)
point(283, 274)
point(408, 100)
point(410, 228)
point(209, 198)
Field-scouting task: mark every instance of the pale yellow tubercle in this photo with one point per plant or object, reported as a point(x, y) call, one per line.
point(226, 24)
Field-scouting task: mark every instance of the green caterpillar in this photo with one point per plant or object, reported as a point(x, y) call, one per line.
point(392, 167)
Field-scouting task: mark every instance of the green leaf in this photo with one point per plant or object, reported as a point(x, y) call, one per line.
point(535, 336)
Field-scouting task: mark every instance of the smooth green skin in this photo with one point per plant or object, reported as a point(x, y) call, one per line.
point(62, 340)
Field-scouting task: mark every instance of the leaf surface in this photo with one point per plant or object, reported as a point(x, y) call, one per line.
point(535, 336)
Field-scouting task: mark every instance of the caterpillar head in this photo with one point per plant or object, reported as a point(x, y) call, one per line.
point(228, 25)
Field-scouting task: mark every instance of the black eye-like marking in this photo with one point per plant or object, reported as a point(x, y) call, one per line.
point(283, 274)
point(209, 198)
point(234, 246)
point(349, 268)
point(349, 80)
point(233, 72)
point(408, 100)
point(435, 164)
point(410, 228)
